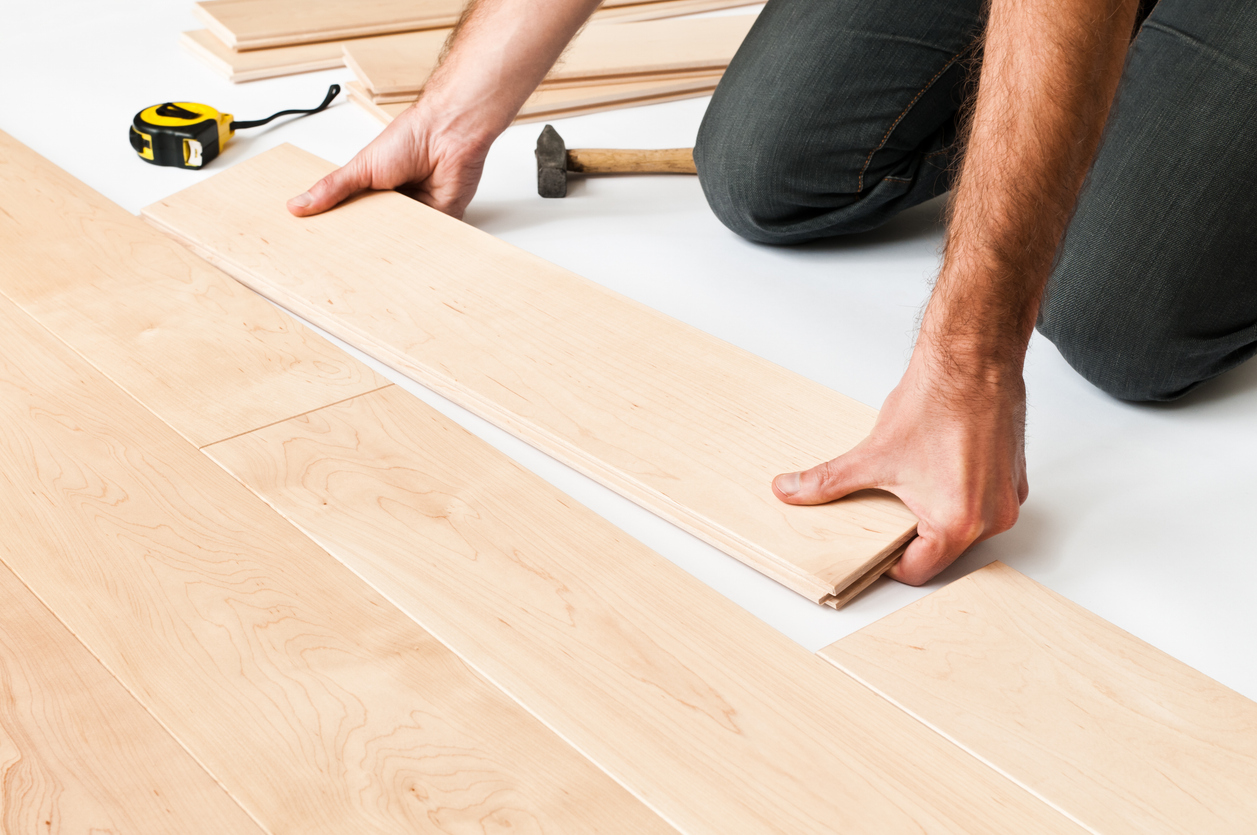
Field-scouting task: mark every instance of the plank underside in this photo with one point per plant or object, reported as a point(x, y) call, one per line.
point(314, 701)
point(259, 24)
point(689, 426)
point(401, 64)
point(1122, 737)
point(697, 705)
point(78, 754)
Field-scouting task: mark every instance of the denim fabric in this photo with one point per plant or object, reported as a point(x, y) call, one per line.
point(837, 114)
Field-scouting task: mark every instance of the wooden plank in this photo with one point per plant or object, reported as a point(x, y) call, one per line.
point(261, 24)
point(262, 63)
point(712, 717)
point(1116, 733)
point(317, 704)
point(78, 754)
point(96, 273)
point(687, 425)
point(401, 64)
point(593, 91)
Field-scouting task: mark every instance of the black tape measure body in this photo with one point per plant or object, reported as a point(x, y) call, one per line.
point(183, 133)
point(187, 134)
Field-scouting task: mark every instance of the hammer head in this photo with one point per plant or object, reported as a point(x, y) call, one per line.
point(551, 164)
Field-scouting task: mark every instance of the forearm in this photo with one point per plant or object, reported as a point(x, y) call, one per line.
point(1049, 71)
point(498, 54)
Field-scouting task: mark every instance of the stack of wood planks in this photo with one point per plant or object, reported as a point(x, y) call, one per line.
point(251, 587)
point(246, 40)
point(605, 67)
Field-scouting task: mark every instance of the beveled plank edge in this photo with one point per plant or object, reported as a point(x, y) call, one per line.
point(221, 67)
point(842, 596)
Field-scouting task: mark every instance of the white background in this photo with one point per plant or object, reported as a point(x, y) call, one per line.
point(1142, 514)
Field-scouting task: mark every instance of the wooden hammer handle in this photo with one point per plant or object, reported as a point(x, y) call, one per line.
point(612, 161)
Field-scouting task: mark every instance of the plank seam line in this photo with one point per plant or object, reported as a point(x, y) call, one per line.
point(294, 417)
point(960, 745)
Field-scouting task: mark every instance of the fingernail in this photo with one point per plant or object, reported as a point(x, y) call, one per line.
point(787, 484)
point(301, 201)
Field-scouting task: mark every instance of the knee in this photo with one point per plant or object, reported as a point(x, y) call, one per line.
point(1128, 349)
point(759, 182)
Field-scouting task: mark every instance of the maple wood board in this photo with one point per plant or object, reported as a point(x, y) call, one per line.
point(102, 278)
point(712, 717)
point(318, 705)
point(260, 24)
point(663, 9)
point(262, 63)
point(562, 96)
point(689, 426)
point(78, 754)
point(401, 64)
point(1122, 737)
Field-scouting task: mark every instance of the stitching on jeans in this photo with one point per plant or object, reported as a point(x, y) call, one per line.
point(896, 179)
point(859, 187)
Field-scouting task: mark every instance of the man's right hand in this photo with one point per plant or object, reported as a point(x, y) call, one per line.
point(438, 167)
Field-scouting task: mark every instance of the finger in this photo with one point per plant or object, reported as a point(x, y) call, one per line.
point(925, 557)
point(826, 482)
point(331, 190)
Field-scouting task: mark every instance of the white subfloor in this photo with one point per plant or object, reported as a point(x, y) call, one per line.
point(1142, 514)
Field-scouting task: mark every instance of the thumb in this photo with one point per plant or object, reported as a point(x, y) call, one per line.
point(825, 482)
point(331, 190)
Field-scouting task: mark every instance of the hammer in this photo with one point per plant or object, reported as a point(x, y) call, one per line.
point(554, 161)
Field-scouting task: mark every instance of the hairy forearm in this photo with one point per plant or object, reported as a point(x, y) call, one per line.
point(1049, 71)
point(497, 55)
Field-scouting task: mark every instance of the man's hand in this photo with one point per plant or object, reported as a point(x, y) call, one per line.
point(436, 167)
point(495, 58)
point(948, 442)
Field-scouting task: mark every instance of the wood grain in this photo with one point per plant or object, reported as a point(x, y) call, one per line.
point(262, 63)
point(401, 64)
point(690, 427)
point(317, 704)
point(78, 754)
point(581, 93)
point(117, 291)
point(708, 714)
point(1117, 734)
point(631, 160)
point(260, 24)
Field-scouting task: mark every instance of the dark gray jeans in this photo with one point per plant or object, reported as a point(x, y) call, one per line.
point(837, 114)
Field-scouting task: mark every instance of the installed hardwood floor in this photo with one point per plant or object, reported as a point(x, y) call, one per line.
point(690, 427)
point(78, 754)
point(317, 704)
point(712, 717)
point(1116, 733)
point(99, 277)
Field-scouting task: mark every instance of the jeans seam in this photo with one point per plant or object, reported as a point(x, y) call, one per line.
point(859, 187)
point(1213, 52)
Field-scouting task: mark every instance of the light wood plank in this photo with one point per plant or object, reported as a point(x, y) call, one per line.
point(99, 275)
point(688, 426)
point(260, 24)
point(1118, 734)
point(712, 717)
point(587, 93)
point(316, 703)
point(78, 754)
point(401, 64)
point(262, 63)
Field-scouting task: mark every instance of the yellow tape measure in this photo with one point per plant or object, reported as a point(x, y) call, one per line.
point(187, 134)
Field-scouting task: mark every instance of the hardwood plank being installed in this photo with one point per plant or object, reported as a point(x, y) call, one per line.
point(78, 754)
point(401, 64)
point(68, 244)
point(687, 425)
point(259, 24)
point(1119, 735)
point(317, 704)
point(712, 717)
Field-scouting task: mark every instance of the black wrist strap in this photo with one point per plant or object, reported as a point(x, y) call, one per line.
point(332, 92)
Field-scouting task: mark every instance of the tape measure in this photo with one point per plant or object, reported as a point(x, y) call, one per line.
point(186, 134)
